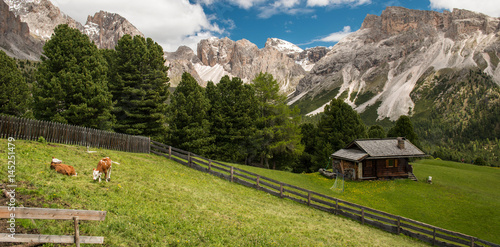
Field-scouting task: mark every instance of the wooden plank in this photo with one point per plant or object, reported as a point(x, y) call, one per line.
point(272, 186)
point(51, 213)
point(296, 193)
point(480, 241)
point(61, 239)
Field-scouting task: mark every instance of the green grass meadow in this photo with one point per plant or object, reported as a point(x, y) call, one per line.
point(152, 201)
point(463, 198)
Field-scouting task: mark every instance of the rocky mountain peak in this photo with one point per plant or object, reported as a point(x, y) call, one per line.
point(15, 37)
point(456, 24)
point(105, 29)
point(283, 46)
point(41, 16)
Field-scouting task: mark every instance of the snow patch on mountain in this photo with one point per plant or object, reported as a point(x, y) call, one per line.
point(283, 46)
point(306, 64)
point(211, 73)
point(91, 29)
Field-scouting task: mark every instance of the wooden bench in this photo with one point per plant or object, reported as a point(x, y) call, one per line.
point(51, 214)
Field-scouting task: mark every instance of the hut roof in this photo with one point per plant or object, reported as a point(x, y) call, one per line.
point(361, 149)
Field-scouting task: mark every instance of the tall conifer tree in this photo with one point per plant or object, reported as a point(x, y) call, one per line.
point(278, 126)
point(189, 124)
point(233, 113)
point(72, 84)
point(15, 96)
point(339, 125)
point(140, 87)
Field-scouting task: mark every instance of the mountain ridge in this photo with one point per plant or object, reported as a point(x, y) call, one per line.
point(389, 54)
point(41, 17)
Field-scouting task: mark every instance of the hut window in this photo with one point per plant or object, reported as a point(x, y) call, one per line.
point(391, 163)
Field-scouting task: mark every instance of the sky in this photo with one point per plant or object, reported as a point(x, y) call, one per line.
point(306, 23)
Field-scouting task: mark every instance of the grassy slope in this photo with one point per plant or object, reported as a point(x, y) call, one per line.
point(152, 201)
point(463, 198)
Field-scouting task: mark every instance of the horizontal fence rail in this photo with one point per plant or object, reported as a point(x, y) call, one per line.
point(385, 221)
point(31, 129)
point(51, 214)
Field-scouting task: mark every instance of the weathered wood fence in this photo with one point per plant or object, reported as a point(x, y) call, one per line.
point(385, 221)
point(51, 214)
point(31, 129)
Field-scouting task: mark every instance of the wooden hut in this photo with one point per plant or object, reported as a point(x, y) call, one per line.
point(376, 158)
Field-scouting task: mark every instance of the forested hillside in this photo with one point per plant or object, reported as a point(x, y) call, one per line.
point(457, 116)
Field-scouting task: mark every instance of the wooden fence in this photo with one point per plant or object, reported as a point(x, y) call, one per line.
point(385, 221)
point(51, 214)
point(30, 129)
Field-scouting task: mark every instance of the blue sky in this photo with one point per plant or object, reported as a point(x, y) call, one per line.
point(306, 23)
point(307, 26)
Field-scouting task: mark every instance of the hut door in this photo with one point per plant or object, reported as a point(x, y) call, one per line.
point(369, 169)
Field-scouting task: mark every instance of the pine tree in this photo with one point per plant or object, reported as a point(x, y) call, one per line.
point(189, 124)
point(140, 87)
point(233, 113)
point(339, 125)
point(404, 128)
point(376, 131)
point(72, 82)
point(15, 96)
point(309, 140)
point(278, 126)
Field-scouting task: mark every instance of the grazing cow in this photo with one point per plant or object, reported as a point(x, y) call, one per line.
point(104, 166)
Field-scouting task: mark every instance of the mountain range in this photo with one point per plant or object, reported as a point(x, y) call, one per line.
point(375, 69)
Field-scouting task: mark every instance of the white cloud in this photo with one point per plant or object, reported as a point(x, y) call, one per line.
point(489, 7)
point(332, 38)
point(246, 4)
point(290, 7)
point(323, 3)
point(337, 36)
point(171, 23)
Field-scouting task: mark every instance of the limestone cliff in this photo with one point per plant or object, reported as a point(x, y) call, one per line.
point(380, 64)
point(15, 37)
point(105, 29)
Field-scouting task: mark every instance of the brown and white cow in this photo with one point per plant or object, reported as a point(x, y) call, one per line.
point(104, 166)
point(62, 168)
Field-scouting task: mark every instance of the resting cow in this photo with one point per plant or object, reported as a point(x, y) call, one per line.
point(62, 168)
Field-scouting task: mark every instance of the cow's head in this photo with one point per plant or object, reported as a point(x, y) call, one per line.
point(96, 174)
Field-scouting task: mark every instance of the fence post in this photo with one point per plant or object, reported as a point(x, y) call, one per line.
point(434, 236)
point(308, 198)
point(362, 216)
point(258, 185)
point(232, 174)
point(189, 159)
point(281, 190)
point(77, 232)
point(336, 206)
point(472, 241)
point(399, 225)
point(169, 152)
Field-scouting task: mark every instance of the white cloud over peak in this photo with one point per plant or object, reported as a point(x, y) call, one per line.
point(337, 36)
point(322, 3)
point(246, 4)
point(488, 7)
point(170, 23)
